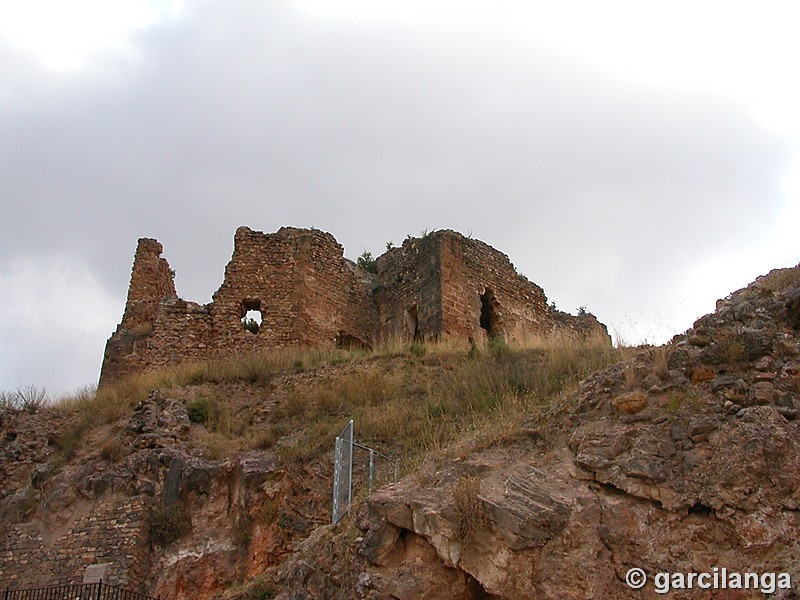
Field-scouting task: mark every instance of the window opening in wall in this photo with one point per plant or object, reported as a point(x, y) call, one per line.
point(251, 315)
point(411, 323)
point(489, 313)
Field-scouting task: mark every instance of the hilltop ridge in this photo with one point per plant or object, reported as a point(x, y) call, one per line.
point(546, 469)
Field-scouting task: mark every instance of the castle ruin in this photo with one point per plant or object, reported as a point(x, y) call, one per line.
point(298, 284)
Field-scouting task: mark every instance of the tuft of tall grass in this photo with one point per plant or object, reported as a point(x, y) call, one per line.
point(469, 508)
point(627, 355)
point(659, 357)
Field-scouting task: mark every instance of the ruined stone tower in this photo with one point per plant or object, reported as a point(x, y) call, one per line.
point(303, 290)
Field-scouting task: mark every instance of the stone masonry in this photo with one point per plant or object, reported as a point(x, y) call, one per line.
point(114, 532)
point(442, 285)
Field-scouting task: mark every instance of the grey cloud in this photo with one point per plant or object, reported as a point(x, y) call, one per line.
point(247, 114)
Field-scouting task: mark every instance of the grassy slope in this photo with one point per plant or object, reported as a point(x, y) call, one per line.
point(406, 400)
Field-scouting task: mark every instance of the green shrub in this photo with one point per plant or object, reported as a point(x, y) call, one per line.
point(255, 370)
point(68, 441)
point(367, 262)
point(200, 410)
point(197, 377)
point(169, 524)
point(498, 347)
point(251, 325)
point(417, 349)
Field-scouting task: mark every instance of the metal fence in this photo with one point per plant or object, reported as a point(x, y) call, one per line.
point(343, 473)
point(374, 471)
point(85, 591)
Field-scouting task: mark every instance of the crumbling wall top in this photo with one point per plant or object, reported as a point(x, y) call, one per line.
point(151, 280)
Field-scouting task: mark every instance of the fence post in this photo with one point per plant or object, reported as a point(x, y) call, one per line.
point(99, 589)
point(350, 474)
point(371, 468)
point(337, 479)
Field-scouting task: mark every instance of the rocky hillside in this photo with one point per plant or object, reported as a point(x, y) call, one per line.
point(194, 480)
point(546, 472)
point(677, 459)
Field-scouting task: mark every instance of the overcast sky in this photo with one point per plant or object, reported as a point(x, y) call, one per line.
point(638, 161)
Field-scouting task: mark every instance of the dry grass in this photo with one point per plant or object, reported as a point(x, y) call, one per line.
point(417, 406)
point(659, 357)
point(778, 280)
point(627, 355)
point(143, 329)
point(97, 407)
point(215, 445)
point(112, 450)
point(469, 508)
point(398, 345)
point(406, 400)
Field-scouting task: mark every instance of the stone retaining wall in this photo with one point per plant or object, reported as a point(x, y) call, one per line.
point(115, 532)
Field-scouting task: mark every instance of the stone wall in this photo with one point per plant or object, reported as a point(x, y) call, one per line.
point(181, 331)
point(484, 296)
point(114, 532)
point(297, 280)
point(446, 285)
point(409, 294)
point(300, 282)
point(441, 285)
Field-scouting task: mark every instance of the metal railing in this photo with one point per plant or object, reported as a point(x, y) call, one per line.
point(372, 476)
point(343, 471)
point(83, 591)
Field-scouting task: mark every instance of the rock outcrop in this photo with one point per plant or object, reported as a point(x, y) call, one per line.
point(139, 494)
point(679, 459)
